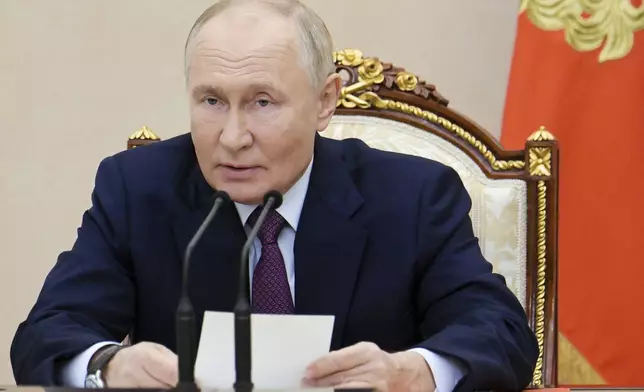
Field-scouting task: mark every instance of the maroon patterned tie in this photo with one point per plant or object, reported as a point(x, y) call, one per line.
point(271, 291)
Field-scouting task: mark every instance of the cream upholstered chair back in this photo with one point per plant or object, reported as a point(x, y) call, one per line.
point(499, 206)
point(514, 193)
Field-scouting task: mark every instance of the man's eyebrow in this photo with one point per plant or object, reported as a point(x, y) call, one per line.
point(205, 89)
point(262, 87)
point(255, 88)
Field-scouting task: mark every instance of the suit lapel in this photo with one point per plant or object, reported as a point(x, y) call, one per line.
point(328, 245)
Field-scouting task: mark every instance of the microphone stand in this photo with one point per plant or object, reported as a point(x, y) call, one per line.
point(185, 315)
point(243, 356)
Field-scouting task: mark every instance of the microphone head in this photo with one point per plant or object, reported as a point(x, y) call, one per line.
point(276, 196)
point(221, 195)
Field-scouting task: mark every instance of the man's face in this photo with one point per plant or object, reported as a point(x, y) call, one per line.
point(254, 112)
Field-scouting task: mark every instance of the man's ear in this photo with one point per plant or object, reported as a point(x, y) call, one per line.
point(328, 100)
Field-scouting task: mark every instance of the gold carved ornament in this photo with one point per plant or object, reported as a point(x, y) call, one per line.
point(589, 24)
point(540, 165)
point(144, 133)
point(540, 324)
point(370, 73)
point(540, 158)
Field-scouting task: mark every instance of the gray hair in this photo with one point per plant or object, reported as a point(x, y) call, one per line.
point(316, 44)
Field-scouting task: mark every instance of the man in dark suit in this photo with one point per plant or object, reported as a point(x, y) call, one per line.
point(382, 241)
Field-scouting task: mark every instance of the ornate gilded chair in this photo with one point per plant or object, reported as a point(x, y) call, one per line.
point(514, 193)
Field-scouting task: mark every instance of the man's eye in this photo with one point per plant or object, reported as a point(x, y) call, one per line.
point(263, 102)
point(212, 101)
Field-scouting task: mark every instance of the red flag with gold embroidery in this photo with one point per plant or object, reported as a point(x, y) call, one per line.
point(578, 70)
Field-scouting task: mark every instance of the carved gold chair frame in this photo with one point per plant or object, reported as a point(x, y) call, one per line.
point(379, 89)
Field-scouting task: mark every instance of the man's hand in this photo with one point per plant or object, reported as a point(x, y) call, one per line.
point(144, 365)
point(364, 365)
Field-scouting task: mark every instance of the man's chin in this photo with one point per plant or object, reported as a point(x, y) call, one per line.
point(244, 194)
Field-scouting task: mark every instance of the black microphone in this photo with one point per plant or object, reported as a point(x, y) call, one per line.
point(243, 363)
point(185, 317)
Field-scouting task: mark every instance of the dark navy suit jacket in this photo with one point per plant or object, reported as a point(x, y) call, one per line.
point(384, 243)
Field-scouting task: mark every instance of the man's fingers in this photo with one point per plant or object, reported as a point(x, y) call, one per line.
point(354, 385)
point(360, 373)
point(134, 377)
point(162, 366)
point(145, 380)
point(169, 365)
point(341, 360)
point(143, 365)
point(347, 385)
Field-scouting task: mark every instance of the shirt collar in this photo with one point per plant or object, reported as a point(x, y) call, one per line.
point(292, 201)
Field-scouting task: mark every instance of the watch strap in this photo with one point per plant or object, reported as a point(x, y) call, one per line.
point(102, 358)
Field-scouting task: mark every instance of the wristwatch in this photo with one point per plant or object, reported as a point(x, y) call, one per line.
point(97, 364)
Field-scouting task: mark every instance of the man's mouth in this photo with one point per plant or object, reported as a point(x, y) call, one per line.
point(238, 167)
point(237, 172)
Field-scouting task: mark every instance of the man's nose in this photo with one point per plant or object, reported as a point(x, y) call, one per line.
point(235, 136)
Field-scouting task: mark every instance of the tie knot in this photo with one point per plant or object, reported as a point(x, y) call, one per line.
point(271, 228)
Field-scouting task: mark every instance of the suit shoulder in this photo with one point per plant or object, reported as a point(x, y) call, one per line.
point(160, 164)
point(157, 151)
point(155, 159)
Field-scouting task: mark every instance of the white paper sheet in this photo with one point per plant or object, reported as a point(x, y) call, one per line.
point(282, 347)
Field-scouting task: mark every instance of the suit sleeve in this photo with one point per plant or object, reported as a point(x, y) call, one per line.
point(466, 311)
point(88, 297)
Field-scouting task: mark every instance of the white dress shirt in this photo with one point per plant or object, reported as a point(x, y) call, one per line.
point(447, 373)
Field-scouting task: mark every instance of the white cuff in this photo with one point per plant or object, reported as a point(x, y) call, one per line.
point(447, 371)
point(75, 371)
